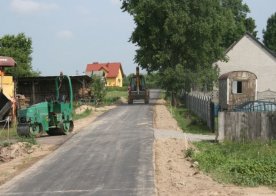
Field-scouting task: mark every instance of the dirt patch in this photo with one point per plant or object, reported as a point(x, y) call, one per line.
point(82, 108)
point(16, 150)
point(175, 175)
point(163, 118)
point(18, 156)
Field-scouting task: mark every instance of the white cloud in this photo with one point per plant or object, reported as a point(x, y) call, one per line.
point(31, 6)
point(116, 2)
point(65, 34)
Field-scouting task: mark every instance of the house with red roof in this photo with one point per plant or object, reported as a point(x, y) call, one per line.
point(113, 72)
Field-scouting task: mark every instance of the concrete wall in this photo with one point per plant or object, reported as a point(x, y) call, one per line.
point(248, 55)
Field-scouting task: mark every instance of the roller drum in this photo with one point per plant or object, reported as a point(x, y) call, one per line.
point(23, 129)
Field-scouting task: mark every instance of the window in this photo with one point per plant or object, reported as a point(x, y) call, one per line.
point(237, 87)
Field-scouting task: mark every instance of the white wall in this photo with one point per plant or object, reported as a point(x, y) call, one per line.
point(248, 55)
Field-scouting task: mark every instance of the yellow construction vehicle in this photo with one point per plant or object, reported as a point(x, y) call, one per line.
point(137, 88)
point(7, 94)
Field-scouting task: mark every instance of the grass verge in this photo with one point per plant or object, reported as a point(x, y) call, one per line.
point(10, 136)
point(247, 164)
point(188, 122)
point(112, 96)
point(6, 133)
point(84, 114)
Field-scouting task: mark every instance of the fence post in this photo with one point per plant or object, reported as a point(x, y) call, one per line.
point(212, 116)
point(265, 127)
point(221, 131)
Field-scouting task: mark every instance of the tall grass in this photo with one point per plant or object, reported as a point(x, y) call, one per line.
point(249, 164)
point(188, 122)
point(6, 134)
point(112, 96)
point(9, 136)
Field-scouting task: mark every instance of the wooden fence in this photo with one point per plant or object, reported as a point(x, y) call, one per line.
point(202, 106)
point(239, 126)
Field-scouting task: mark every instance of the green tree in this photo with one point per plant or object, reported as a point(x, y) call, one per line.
point(152, 80)
point(238, 22)
point(20, 48)
point(175, 32)
point(127, 79)
point(270, 33)
point(182, 38)
point(98, 88)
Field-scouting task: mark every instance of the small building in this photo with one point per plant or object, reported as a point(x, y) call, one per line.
point(113, 72)
point(38, 89)
point(236, 87)
point(251, 55)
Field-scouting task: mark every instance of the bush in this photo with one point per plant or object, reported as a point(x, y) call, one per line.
point(98, 88)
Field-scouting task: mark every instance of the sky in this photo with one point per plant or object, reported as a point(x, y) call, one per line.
point(69, 34)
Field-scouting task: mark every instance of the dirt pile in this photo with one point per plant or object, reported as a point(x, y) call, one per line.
point(7, 153)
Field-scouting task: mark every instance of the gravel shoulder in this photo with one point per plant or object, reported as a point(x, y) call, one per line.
point(175, 175)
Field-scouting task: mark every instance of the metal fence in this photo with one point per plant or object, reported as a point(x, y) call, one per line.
point(201, 105)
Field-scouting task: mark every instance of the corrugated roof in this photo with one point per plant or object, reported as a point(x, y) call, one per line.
point(112, 69)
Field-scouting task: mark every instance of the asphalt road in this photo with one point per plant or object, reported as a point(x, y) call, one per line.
point(111, 156)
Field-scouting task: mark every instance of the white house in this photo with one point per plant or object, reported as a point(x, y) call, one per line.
point(249, 54)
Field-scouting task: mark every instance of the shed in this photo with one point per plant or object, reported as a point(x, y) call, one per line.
point(236, 87)
point(42, 87)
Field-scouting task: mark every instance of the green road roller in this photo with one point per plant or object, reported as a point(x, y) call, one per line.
point(54, 116)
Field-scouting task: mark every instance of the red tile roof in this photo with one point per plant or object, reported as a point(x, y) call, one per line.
point(112, 69)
